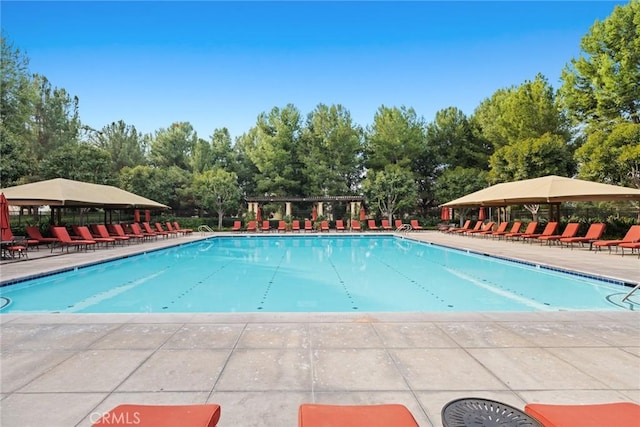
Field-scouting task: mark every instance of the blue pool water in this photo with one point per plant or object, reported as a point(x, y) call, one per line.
point(310, 274)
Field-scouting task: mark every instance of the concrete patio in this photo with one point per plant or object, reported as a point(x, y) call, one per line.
point(66, 370)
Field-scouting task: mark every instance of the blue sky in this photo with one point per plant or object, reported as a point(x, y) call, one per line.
point(221, 64)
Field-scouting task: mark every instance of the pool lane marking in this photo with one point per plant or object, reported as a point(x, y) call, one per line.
point(344, 285)
point(273, 278)
point(198, 283)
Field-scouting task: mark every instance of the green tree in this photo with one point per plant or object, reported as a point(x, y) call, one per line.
point(532, 158)
point(173, 146)
point(390, 190)
point(80, 162)
point(458, 182)
point(122, 141)
point(332, 147)
point(217, 190)
point(17, 95)
point(603, 84)
point(274, 148)
point(201, 157)
point(164, 185)
point(612, 155)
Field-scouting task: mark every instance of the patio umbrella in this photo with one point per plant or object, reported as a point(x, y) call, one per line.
point(444, 215)
point(482, 215)
point(147, 215)
point(363, 214)
point(136, 215)
point(5, 225)
point(258, 214)
point(314, 213)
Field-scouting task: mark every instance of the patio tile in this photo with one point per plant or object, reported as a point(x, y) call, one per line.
point(534, 368)
point(52, 409)
point(91, 370)
point(444, 369)
point(193, 336)
point(620, 370)
point(20, 367)
point(259, 409)
point(483, 334)
point(343, 335)
point(53, 337)
point(555, 334)
point(413, 335)
point(137, 336)
point(618, 334)
point(266, 370)
point(355, 369)
point(576, 397)
point(274, 335)
point(177, 370)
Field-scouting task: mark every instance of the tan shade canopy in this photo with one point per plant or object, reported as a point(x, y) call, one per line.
point(545, 190)
point(69, 193)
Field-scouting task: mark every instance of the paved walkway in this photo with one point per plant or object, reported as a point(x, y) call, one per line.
point(65, 369)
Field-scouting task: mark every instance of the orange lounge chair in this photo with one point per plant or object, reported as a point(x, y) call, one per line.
point(355, 225)
point(324, 225)
point(308, 226)
point(85, 234)
point(502, 228)
point(117, 230)
point(415, 225)
point(282, 226)
point(595, 231)
point(386, 225)
point(237, 226)
point(37, 238)
point(389, 415)
point(160, 229)
point(549, 230)
point(398, 223)
point(619, 414)
point(172, 229)
point(265, 225)
point(629, 245)
point(161, 416)
point(100, 230)
point(484, 229)
point(465, 226)
point(515, 228)
point(340, 225)
point(569, 231)
point(295, 225)
point(632, 236)
point(531, 229)
point(252, 226)
point(135, 229)
point(371, 224)
point(146, 229)
point(184, 230)
point(65, 240)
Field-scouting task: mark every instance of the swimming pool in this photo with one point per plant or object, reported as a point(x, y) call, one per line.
point(316, 273)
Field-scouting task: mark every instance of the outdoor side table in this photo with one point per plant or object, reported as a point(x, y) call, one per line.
point(475, 412)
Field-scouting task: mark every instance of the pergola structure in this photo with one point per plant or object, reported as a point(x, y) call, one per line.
point(253, 203)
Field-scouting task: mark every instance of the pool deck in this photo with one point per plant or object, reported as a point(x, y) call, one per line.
point(66, 369)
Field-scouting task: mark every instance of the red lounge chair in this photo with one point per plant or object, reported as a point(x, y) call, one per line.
point(515, 228)
point(265, 225)
point(386, 225)
point(37, 238)
point(282, 226)
point(484, 229)
point(135, 229)
point(13, 245)
point(161, 416)
point(162, 231)
point(569, 231)
point(237, 226)
point(398, 223)
point(371, 225)
point(308, 226)
point(531, 228)
point(295, 225)
point(340, 225)
point(390, 415)
point(100, 230)
point(173, 230)
point(146, 228)
point(549, 230)
point(466, 226)
point(184, 230)
point(85, 234)
point(628, 245)
point(355, 225)
point(324, 226)
point(632, 236)
point(620, 414)
point(252, 226)
point(500, 230)
point(415, 225)
point(65, 240)
point(117, 230)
